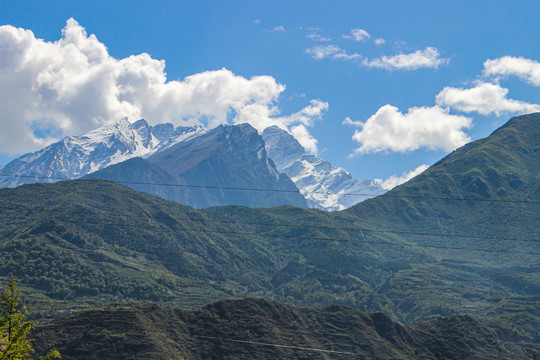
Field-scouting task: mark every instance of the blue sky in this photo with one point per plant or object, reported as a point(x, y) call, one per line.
point(355, 60)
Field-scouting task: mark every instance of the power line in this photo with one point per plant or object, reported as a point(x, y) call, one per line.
point(397, 232)
point(277, 190)
point(293, 347)
point(274, 235)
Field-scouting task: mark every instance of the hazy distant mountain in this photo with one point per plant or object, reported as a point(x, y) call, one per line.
point(323, 185)
point(76, 156)
point(224, 157)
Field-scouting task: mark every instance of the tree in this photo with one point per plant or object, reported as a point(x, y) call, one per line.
point(14, 330)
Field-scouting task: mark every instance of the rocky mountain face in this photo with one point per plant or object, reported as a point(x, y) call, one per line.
point(324, 186)
point(217, 167)
point(76, 156)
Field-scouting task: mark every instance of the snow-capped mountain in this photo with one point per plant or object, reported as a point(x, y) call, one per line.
point(323, 185)
point(218, 164)
point(76, 156)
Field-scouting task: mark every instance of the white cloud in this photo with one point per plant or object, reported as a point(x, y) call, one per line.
point(348, 121)
point(379, 41)
point(304, 138)
point(73, 85)
point(305, 118)
point(309, 114)
point(427, 58)
point(357, 35)
point(421, 127)
point(330, 51)
point(395, 180)
point(279, 28)
point(484, 98)
point(525, 69)
point(345, 56)
point(317, 37)
point(321, 52)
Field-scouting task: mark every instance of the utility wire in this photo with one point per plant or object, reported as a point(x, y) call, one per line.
point(277, 190)
point(398, 232)
point(293, 347)
point(272, 235)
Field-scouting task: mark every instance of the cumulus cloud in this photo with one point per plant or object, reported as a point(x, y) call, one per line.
point(348, 121)
point(304, 138)
point(421, 127)
point(395, 180)
point(379, 41)
point(357, 35)
point(330, 51)
point(305, 118)
point(525, 69)
point(427, 58)
point(71, 86)
point(484, 98)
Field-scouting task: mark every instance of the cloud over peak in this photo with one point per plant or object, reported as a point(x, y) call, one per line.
point(73, 85)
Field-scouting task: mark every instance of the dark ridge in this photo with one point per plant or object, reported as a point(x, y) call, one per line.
point(262, 329)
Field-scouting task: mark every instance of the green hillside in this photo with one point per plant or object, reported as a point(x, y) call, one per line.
point(80, 243)
point(502, 171)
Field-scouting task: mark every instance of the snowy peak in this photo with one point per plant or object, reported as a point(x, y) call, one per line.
point(323, 185)
point(76, 156)
point(217, 162)
point(281, 146)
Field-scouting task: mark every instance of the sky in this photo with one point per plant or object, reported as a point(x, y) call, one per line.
point(381, 88)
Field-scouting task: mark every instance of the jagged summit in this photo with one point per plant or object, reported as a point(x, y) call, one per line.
point(217, 162)
point(76, 156)
point(323, 185)
point(282, 146)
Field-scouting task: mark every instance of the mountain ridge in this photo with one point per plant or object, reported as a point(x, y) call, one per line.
point(217, 162)
point(262, 329)
point(413, 256)
point(324, 186)
point(76, 156)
